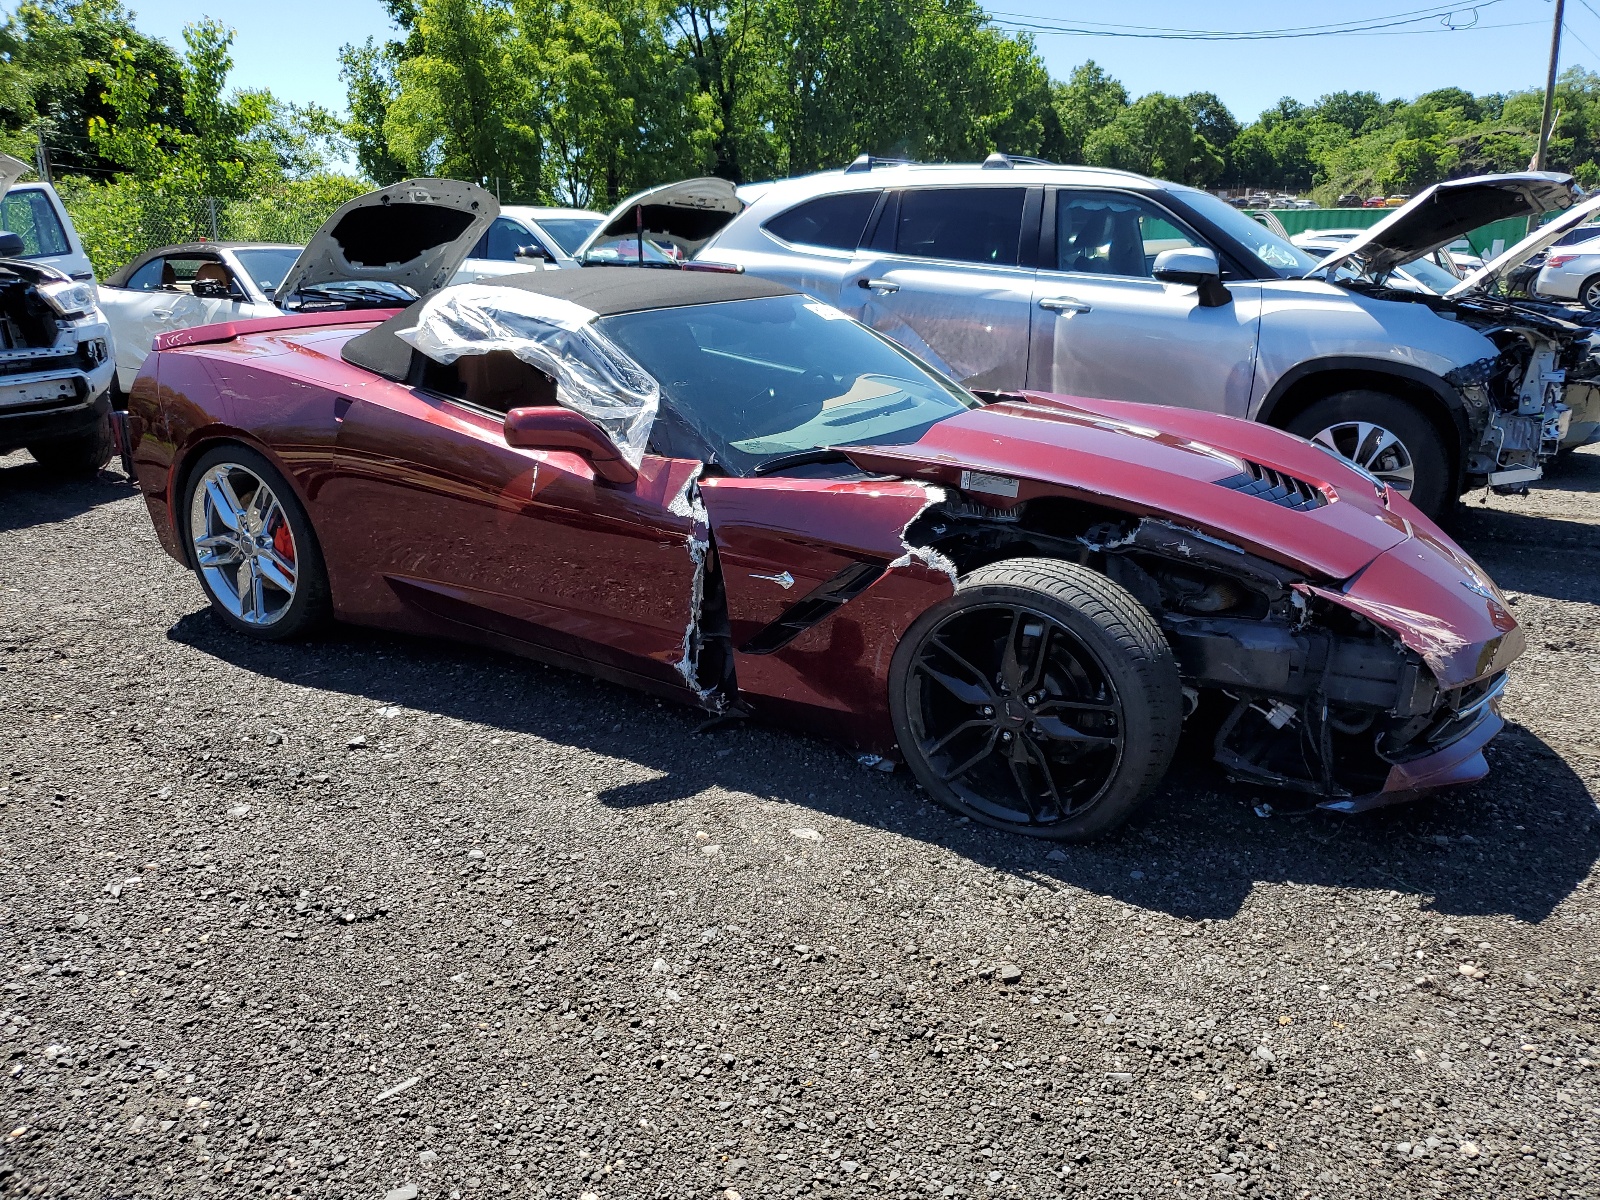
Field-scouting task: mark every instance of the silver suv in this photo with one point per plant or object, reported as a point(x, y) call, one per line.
point(1022, 275)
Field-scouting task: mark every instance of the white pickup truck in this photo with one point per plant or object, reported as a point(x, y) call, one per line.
point(55, 345)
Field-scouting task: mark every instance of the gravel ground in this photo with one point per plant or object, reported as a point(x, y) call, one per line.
point(377, 918)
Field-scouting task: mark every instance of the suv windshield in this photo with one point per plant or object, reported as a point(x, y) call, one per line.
point(745, 382)
point(1288, 261)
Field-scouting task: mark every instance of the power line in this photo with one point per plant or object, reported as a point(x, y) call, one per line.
point(1049, 32)
point(1376, 26)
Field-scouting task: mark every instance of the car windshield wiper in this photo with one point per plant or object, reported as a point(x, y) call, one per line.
point(799, 459)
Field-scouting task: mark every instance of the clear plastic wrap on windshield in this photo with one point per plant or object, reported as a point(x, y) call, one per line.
point(593, 375)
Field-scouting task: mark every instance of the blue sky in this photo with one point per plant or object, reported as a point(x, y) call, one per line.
point(290, 46)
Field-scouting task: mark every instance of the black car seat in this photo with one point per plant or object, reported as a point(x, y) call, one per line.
point(169, 277)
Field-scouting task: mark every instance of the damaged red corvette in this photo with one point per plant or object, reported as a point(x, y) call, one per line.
point(713, 488)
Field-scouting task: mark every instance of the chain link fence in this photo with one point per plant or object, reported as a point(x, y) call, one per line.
point(120, 221)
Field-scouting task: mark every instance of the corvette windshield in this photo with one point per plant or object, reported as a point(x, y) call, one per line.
point(745, 382)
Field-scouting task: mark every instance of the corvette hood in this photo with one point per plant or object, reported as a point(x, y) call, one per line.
point(1446, 211)
point(1173, 464)
point(415, 233)
point(1375, 556)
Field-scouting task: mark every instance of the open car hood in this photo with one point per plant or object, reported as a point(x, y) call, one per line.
point(415, 234)
point(1486, 276)
point(1446, 211)
point(687, 215)
point(11, 170)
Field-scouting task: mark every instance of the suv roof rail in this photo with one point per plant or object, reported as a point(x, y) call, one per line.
point(865, 162)
point(1001, 161)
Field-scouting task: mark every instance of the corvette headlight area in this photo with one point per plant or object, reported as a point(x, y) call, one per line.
point(70, 299)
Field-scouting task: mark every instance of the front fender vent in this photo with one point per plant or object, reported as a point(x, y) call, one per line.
point(1275, 487)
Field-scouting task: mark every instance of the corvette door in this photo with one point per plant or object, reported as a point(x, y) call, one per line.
point(948, 274)
point(441, 526)
point(1104, 328)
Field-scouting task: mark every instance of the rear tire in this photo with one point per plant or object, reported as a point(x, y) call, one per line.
point(1589, 293)
point(1041, 699)
point(79, 455)
point(1389, 437)
point(252, 546)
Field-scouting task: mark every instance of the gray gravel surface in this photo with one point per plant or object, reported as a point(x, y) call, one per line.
point(375, 918)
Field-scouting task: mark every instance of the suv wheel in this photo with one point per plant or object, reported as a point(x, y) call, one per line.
point(1389, 437)
point(81, 454)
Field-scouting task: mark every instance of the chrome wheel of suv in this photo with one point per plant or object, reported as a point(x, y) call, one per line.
point(244, 547)
point(1377, 449)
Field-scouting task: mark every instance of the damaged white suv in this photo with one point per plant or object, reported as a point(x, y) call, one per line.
point(1021, 275)
point(55, 346)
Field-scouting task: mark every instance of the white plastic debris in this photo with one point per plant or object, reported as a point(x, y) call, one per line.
point(397, 1088)
point(593, 375)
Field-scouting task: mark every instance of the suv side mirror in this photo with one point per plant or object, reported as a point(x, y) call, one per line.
point(11, 245)
point(549, 428)
point(534, 253)
point(1198, 268)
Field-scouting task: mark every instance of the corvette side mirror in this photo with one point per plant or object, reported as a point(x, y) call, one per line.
point(212, 289)
point(533, 253)
point(1197, 268)
point(11, 245)
point(551, 428)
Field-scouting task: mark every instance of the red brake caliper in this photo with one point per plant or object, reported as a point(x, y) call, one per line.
point(283, 541)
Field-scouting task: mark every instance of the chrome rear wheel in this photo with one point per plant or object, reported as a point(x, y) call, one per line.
point(244, 545)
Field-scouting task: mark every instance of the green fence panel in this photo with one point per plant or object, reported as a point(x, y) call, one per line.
point(1487, 241)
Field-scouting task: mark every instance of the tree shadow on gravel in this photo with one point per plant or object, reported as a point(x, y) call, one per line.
point(1515, 844)
point(30, 495)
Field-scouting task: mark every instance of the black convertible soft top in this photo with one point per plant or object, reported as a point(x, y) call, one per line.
point(605, 290)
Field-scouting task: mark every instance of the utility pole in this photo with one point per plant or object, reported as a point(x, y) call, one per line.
point(1549, 87)
point(41, 158)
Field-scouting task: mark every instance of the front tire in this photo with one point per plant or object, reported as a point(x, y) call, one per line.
point(1388, 436)
point(252, 546)
point(1041, 699)
point(80, 455)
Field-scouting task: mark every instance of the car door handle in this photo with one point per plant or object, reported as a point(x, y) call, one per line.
point(163, 314)
point(1063, 304)
point(877, 285)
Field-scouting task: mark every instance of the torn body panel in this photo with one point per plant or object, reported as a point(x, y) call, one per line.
point(830, 674)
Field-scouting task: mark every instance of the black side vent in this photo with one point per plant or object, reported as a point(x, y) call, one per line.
point(813, 607)
point(1275, 487)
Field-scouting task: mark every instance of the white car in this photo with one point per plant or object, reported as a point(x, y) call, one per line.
point(523, 238)
point(1572, 273)
point(1431, 275)
point(204, 283)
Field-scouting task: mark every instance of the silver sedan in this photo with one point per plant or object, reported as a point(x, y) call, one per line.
point(1572, 273)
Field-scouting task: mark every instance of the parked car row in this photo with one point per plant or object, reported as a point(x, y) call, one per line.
point(721, 489)
point(1015, 276)
point(912, 457)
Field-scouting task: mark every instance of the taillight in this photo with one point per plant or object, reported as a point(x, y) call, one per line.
point(1559, 260)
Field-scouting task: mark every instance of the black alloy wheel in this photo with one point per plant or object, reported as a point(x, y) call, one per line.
point(1041, 698)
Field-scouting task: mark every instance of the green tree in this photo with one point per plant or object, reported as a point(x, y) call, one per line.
point(1088, 101)
point(464, 103)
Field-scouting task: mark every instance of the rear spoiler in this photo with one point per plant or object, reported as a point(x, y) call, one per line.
point(227, 331)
